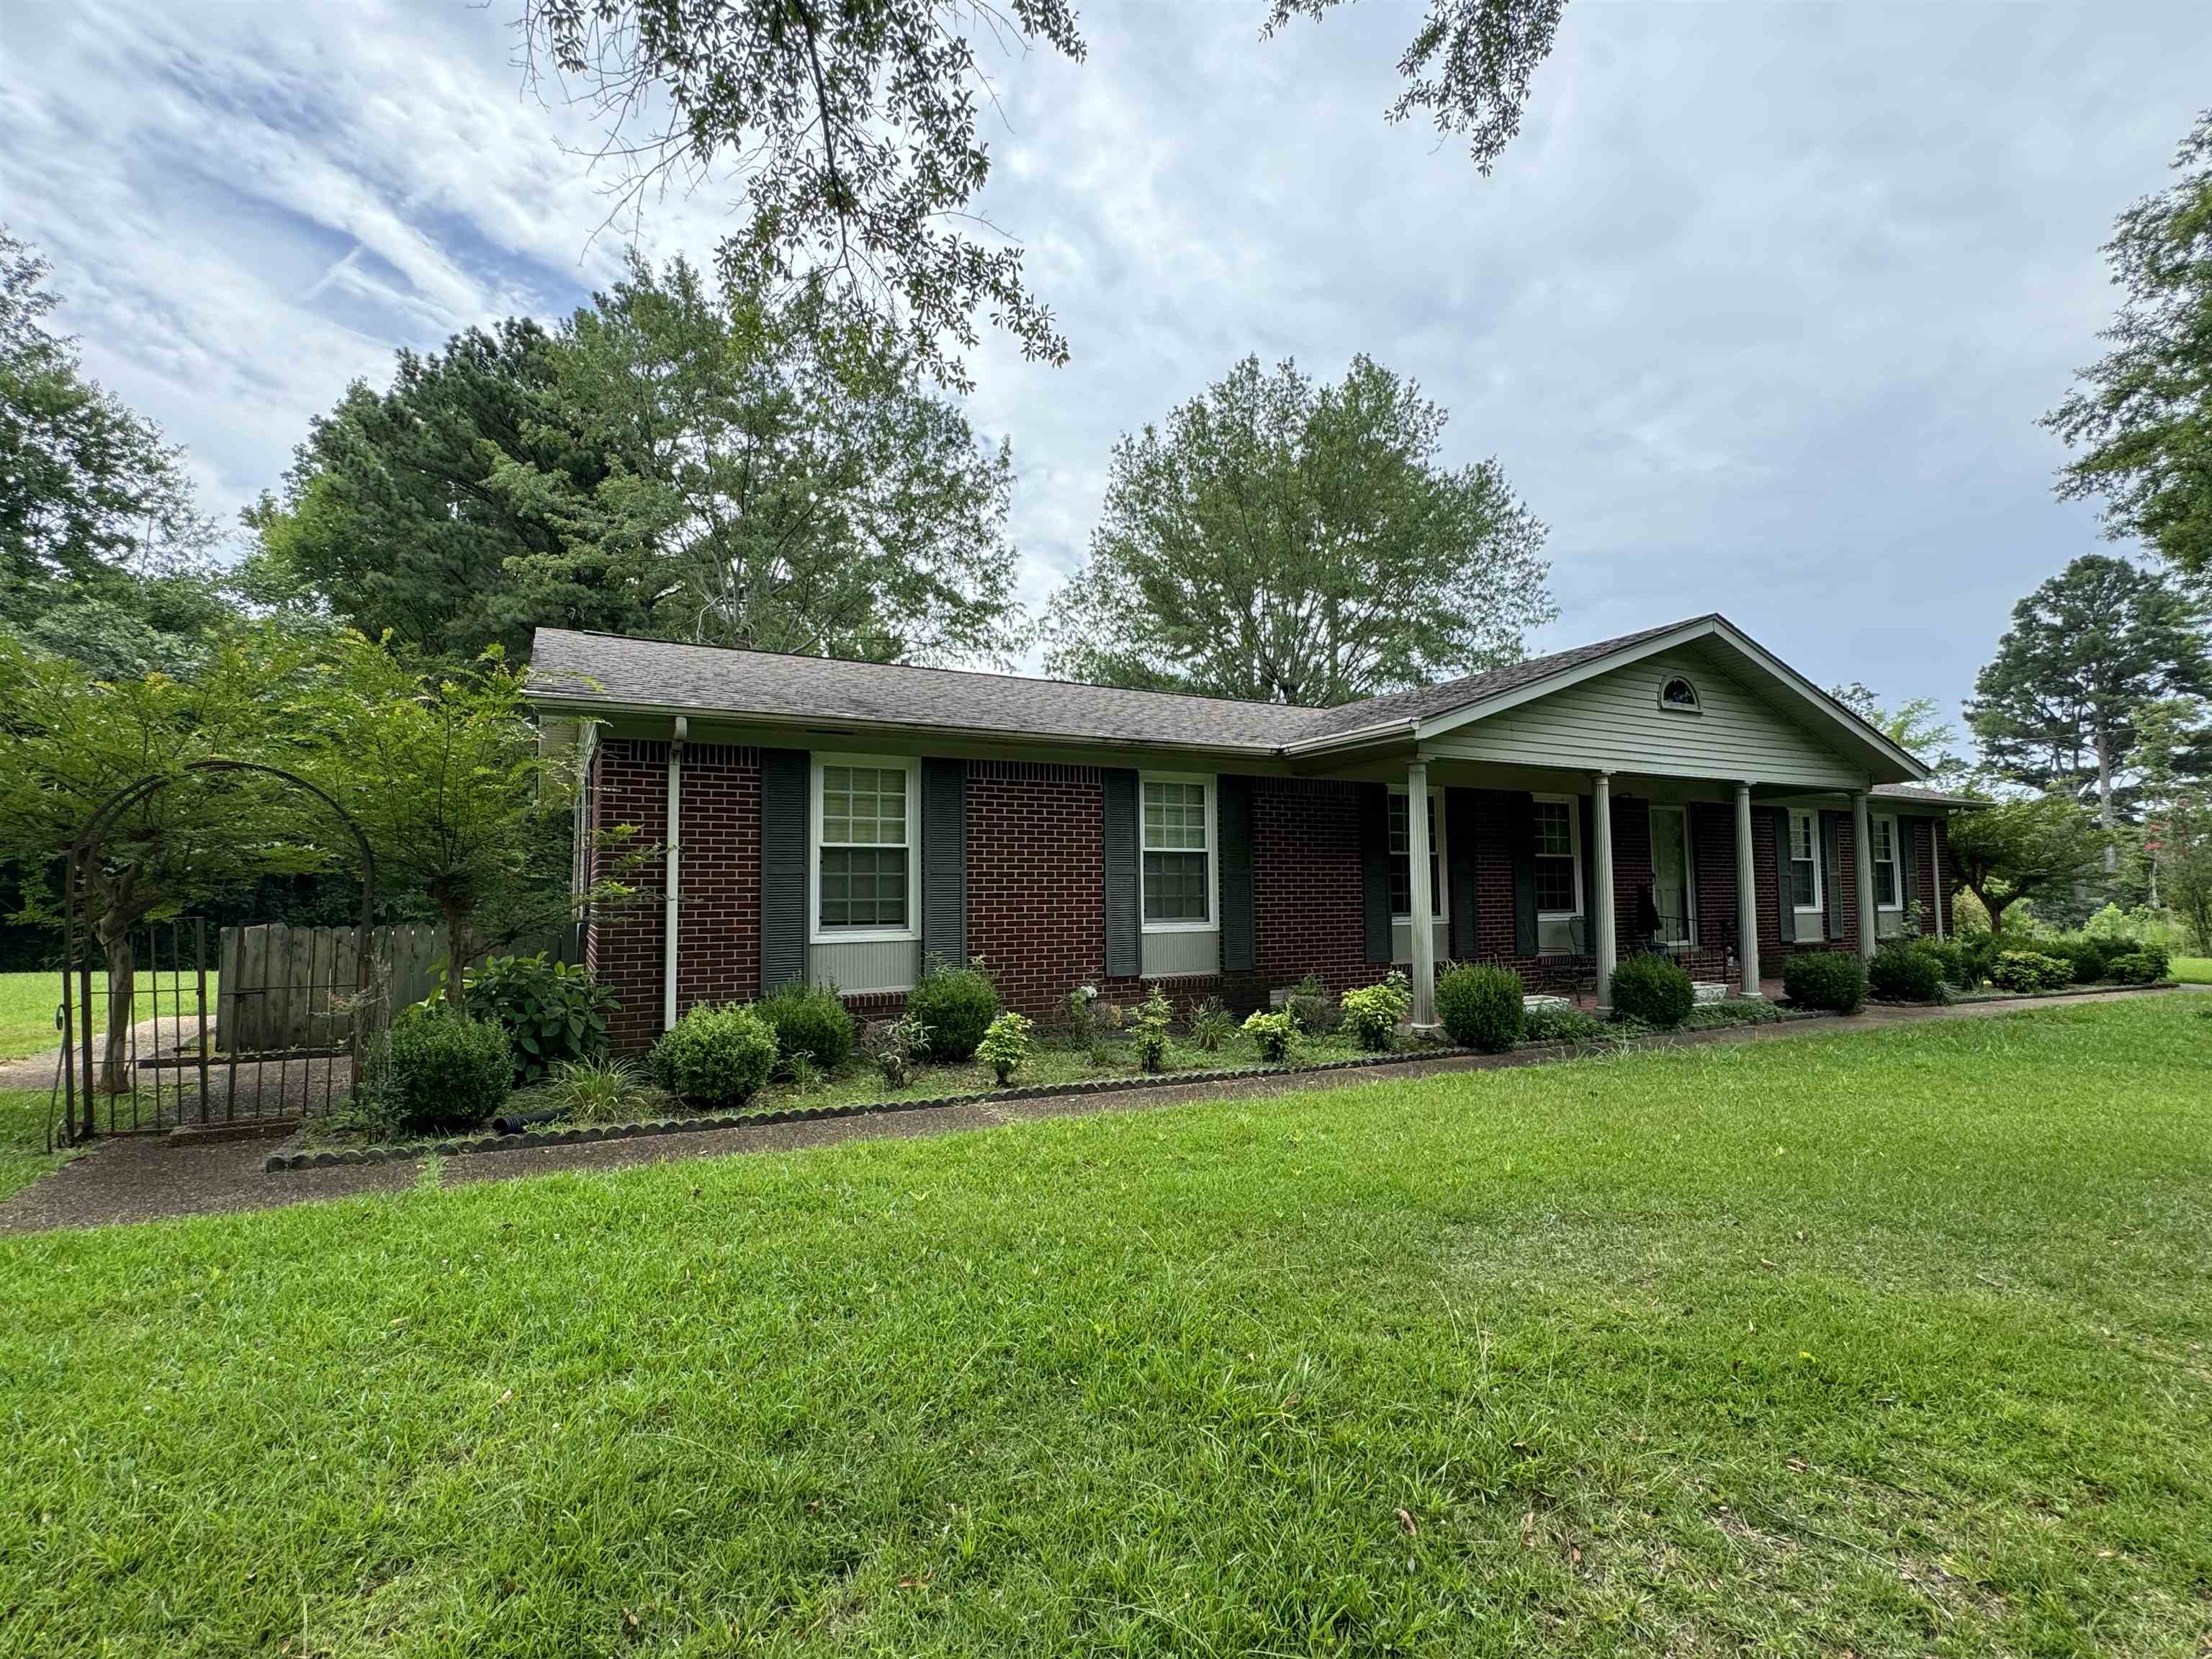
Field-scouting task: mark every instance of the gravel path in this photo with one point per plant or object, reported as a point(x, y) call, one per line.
point(144, 1178)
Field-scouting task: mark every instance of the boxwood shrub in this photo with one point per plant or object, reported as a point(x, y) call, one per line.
point(957, 1005)
point(1826, 979)
point(2146, 964)
point(1653, 988)
point(443, 1070)
point(715, 1056)
point(809, 1020)
point(1481, 1005)
point(2084, 957)
point(1908, 973)
point(2031, 970)
point(1560, 1025)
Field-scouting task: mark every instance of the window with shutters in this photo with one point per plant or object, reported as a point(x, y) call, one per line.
point(1402, 855)
point(1804, 871)
point(865, 869)
point(1559, 858)
point(1888, 888)
point(1174, 840)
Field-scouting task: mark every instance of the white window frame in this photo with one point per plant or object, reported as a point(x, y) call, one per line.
point(1689, 872)
point(1818, 906)
point(1895, 861)
point(1212, 854)
point(1574, 805)
point(1696, 704)
point(1437, 904)
point(816, 932)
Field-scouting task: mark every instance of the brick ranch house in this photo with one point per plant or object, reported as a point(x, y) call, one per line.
point(1679, 789)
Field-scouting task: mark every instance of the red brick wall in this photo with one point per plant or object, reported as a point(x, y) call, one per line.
point(1309, 894)
point(1925, 833)
point(718, 940)
point(624, 945)
point(1036, 880)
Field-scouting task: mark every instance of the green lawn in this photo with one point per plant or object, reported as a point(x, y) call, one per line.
point(1891, 1344)
point(28, 1001)
point(2193, 970)
point(23, 1155)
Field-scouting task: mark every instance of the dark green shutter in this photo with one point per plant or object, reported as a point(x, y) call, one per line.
point(1458, 830)
point(1831, 854)
point(1374, 868)
point(1908, 868)
point(1239, 923)
point(945, 861)
point(1523, 815)
point(1786, 914)
point(783, 868)
point(1124, 948)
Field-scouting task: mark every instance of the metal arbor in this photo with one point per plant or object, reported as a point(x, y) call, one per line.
point(80, 1120)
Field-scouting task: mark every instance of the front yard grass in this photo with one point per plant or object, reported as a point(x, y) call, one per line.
point(1885, 1343)
point(23, 1155)
point(2192, 971)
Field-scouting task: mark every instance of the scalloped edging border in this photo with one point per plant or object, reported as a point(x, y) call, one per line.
point(465, 1146)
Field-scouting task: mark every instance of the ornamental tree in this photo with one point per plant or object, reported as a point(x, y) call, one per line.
point(2007, 850)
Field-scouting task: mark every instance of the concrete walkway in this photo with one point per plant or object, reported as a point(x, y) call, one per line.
point(142, 1178)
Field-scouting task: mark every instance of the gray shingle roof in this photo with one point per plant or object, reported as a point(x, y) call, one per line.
point(662, 674)
point(1914, 791)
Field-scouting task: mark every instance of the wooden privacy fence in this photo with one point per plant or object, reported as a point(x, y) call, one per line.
point(286, 988)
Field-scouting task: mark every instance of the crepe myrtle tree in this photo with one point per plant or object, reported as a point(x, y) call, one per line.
point(2007, 850)
point(464, 805)
point(70, 741)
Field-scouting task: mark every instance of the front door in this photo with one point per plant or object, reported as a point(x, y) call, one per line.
point(1673, 894)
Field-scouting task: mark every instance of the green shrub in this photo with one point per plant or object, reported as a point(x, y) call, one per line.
point(1148, 1029)
point(1653, 988)
point(895, 1045)
point(1736, 1011)
point(957, 1005)
point(1211, 1025)
point(809, 1020)
point(1311, 1008)
point(715, 1056)
point(2084, 957)
point(2145, 966)
point(1826, 979)
point(1560, 1025)
point(1907, 972)
point(1374, 1012)
point(444, 1071)
point(551, 1011)
point(2031, 970)
point(1481, 1005)
point(1271, 1034)
point(1005, 1046)
point(1959, 963)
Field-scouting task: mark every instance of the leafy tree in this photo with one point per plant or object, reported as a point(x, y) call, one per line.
point(2175, 755)
point(446, 776)
point(2141, 414)
point(853, 125)
point(2009, 850)
point(2055, 708)
point(388, 522)
point(775, 478)
point(669, 461)
point(1913, 727)
point(101, 545)
point(1300, 544)
point(69, 742)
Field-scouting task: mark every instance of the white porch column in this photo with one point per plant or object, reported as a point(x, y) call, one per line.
point(1862, 863)
point(1423, 901)
point(1747, 893)
point(1602, 901)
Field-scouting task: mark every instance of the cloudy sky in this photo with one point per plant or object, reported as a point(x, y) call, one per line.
point(1758, 314)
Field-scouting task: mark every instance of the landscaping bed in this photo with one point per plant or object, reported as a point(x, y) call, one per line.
point(857, 1088)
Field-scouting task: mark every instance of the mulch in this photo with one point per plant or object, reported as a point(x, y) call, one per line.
point(147, 1177)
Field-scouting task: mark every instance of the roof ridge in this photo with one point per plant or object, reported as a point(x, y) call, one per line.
point(944, 668)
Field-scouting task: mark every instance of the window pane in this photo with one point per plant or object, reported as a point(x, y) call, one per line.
point(1175, 816)
point(1803, 891)
point(1400, 827)
point(1175, 887)
point(1885, 885)
point(1555, 829)
point(863, 887)
point(1555, 883)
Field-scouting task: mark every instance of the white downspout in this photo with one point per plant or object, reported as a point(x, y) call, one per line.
point(673, 882)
